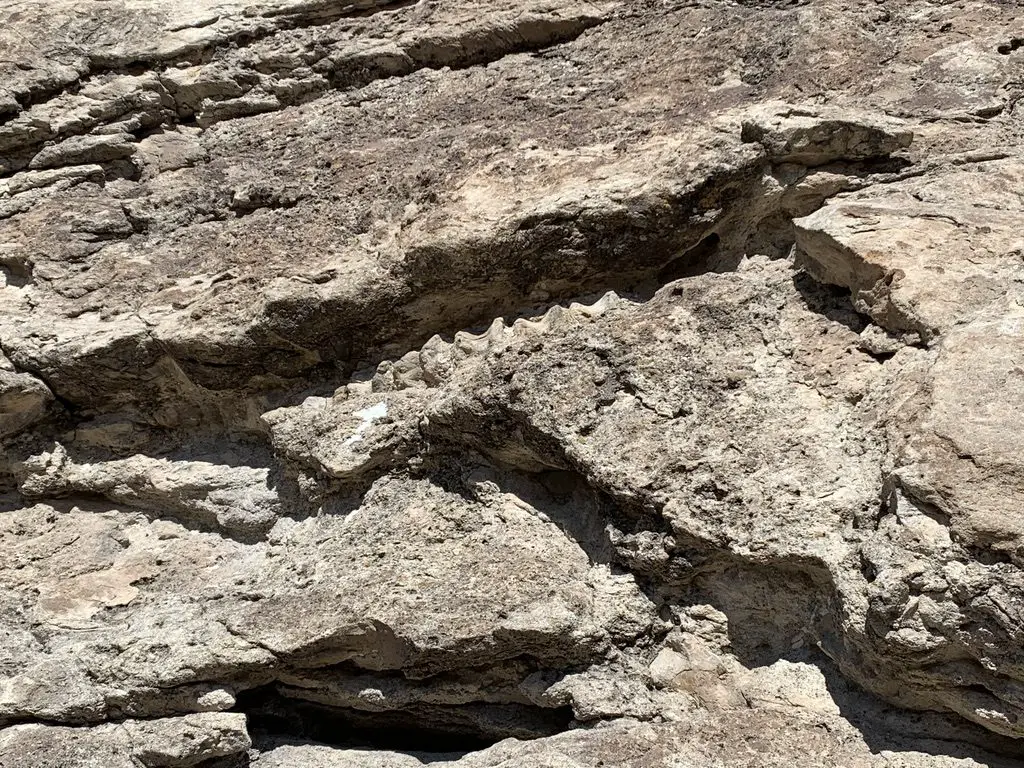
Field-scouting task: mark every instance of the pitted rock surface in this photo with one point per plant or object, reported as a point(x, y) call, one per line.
point(496, 383)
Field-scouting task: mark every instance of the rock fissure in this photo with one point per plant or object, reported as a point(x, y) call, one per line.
point(455, 730)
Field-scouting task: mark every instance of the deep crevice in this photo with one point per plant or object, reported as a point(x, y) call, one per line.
point(423, 730)
point(678, 239)
point(693, 262)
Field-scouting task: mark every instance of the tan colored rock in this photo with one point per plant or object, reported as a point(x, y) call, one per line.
point(501, 383)
point(812, 137)
point(166, 743)
point(24, 400)
point(236, 500)
point(962, 458)
point(923, 254)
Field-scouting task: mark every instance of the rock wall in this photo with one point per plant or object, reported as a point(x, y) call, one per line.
point(499, 383)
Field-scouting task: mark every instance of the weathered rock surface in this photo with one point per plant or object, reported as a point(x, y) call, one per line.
point(179, 741)
point(493, 383)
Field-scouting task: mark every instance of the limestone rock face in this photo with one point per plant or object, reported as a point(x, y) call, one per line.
point(504, 383)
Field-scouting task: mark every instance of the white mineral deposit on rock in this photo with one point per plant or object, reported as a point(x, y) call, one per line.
point(368, 416)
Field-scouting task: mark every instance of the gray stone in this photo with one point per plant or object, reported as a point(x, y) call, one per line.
point(501, 383)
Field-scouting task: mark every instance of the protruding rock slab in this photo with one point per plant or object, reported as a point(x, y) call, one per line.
point(924, 254)
point(177, 742)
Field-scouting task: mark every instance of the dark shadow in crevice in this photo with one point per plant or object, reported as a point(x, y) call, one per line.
point(866, 169)
point(886, 727)
point(830, 301)
point(247, 208)
point(11, 501)
point(564, 498)
point(881, 357)
point(236, 451)
point(835, 303)
point(622, 535)
point(16, 273)
point(518, 459)
point(428, 732)
point(772, 607)
point(790, 610)
point(696, 261)
point(774, 236)
point(1010, 45)
point(120, 169)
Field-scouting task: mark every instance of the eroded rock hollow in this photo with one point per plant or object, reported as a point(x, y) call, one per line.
point(511, 383)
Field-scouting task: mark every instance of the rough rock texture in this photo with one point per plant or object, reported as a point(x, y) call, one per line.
point(508, 383)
